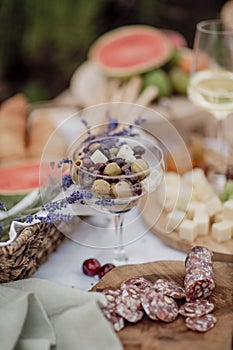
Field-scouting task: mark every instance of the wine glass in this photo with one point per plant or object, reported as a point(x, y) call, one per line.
point(114, 172)
point(211, 82)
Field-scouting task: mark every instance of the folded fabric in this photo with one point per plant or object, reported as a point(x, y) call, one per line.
point(38, 314)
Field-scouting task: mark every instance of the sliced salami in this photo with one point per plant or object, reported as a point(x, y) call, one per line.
point(131, 296)
point(139, 282)
point(159, 306)
point(111, 295)
point(169, 288)
point(115, 320)
point(199, 278)
point(130, 315)
point(148, 304)
point(198, 286)
point(201, 324)
point(197, 308)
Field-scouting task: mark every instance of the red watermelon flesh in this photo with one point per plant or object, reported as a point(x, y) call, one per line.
point(131, 50)
point(23, 178)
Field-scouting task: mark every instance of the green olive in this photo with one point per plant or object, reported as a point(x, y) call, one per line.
point(122, 189)
point(138, 166)
point(112, 169)
point(101, 187)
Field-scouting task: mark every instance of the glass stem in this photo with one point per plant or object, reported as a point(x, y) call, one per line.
point(220, 140)
point(120, 256)
point(217, 178)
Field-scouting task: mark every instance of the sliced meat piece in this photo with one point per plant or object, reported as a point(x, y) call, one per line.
point(169, 288)
point(140, 282)
point(197, 308)
point(201, 324)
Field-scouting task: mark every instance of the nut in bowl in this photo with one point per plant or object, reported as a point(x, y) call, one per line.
point(115, 172)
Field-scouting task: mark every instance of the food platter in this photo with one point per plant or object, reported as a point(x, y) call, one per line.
point(222, 251)
point(153, 335)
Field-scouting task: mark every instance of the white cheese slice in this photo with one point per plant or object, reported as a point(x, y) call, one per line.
point(188, 230)
point(228, 210)
point(202, 221)
point(98, 157)
point(222, 231)
point(213, 206)
point(126, 153)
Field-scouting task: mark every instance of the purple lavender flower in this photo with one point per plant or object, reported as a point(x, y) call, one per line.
point(66, 181)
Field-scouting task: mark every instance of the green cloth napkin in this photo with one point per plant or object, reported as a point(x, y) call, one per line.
point(38, 314)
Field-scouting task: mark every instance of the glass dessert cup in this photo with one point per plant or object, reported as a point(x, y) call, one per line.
point(115, 172)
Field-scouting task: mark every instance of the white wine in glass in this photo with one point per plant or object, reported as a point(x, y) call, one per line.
point(211, 81)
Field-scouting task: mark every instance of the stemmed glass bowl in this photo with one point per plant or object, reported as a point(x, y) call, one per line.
point(116, 172)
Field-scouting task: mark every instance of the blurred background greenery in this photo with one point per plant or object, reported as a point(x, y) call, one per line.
point(42, 42)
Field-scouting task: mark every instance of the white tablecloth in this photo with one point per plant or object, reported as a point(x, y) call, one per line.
point(65, 265)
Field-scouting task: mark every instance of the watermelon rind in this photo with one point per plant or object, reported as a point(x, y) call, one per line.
point(158, 59)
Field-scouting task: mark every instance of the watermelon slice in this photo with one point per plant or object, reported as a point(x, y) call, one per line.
point(22, 178)
point(131, 50)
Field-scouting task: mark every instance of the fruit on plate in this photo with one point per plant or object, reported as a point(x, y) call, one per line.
point(177, 39)
point(17, 180)
point(160, 79)
point(186, 60)
point(131, 50)
point(179, 80)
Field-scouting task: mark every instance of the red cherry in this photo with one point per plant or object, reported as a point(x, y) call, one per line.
point(91, 267)
point(104, 269)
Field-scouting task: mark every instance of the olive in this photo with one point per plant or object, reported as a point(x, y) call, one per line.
point(138, 166)
point(139, 150)
point(112, 169)
point(101, 187)
point(122, 189)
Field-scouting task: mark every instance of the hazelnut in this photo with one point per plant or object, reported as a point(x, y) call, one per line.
point(138, 166)
point(101, 187)
point(112, 169)
point(122, 189)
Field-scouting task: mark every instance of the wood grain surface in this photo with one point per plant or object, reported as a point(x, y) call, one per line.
point(157, 335)
point(150, 210)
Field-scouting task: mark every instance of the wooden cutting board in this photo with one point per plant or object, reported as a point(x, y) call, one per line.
point(150, 210)
point(157, 335)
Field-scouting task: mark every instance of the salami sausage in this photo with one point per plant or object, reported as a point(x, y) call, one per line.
point(148, 304)
point(201, 324)
point(131, 296)
point(169, 288)
point(197, 308)
point(126, 312)
point(115, 320)
point(111, 296)
point(199, 278)
point(159, 306)
point(140, 283)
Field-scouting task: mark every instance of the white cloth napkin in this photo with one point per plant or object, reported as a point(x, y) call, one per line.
point(38, 314)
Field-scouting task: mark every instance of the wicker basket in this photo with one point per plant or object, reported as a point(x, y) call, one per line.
point(32, 248)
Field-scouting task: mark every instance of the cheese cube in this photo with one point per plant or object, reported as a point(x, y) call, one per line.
point(202, 222)
point(188, 230)
point(126, 153)
point(222, 231)
point(194, 208)
point(174, 218)
point(218, 217)
point(98, 157)
point(213, 206)
point(201, 186)
point(228, 210)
